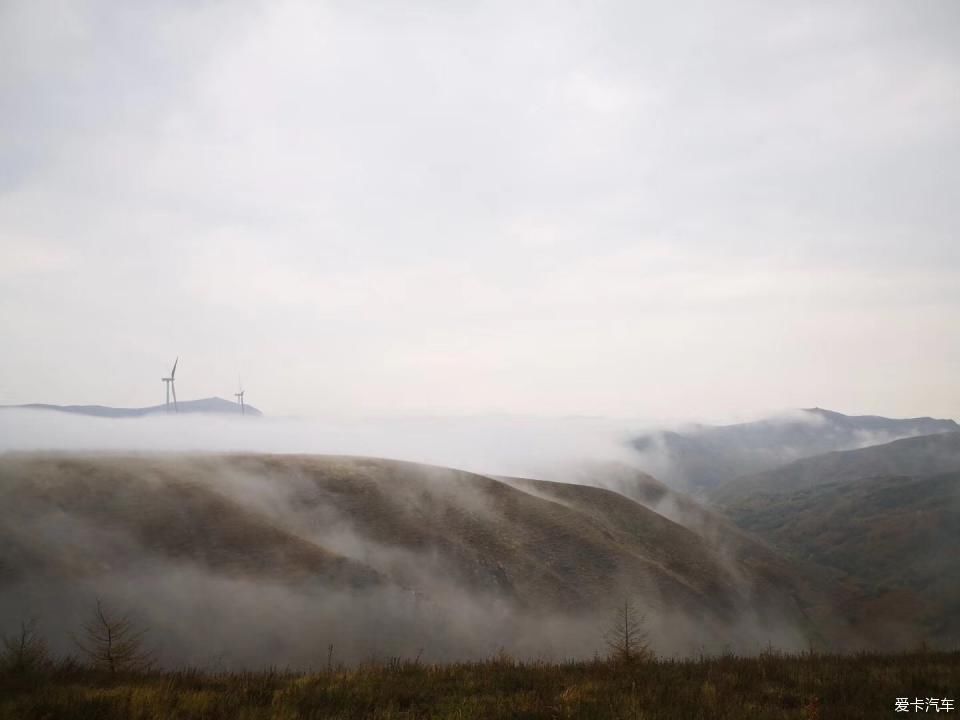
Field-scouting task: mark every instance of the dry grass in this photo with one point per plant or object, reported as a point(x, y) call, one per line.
point(769, 686)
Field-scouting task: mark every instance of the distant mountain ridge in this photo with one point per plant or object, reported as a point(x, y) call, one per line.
point(909, 457)
point(212, 405)
point(706, 456)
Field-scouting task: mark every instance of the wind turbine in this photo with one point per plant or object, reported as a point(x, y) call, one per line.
point(239, 397)
point(171, 387)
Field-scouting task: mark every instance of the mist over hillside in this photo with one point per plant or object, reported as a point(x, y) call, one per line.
point(915, 456)
point(258, 559)
point(238, 557)
point(705, 456)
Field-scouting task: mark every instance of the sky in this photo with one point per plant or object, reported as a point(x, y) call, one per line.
point(618, 209)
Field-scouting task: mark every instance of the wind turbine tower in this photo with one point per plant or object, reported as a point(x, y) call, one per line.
point(239, 397)
point(171, 388)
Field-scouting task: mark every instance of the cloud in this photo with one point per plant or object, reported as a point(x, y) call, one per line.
point(542, 209)
point(490, 445)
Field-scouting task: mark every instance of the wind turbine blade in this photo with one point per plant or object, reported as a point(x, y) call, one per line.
point(174, 371)
point(173, 388)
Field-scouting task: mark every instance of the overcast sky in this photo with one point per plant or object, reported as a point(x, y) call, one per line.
point(685, 209)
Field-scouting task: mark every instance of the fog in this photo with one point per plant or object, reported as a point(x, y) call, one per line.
point(426, 602)
point(491, 445)
point(197, 619)
point(66, 555)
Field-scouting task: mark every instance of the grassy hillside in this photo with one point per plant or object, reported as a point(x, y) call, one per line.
point(489, 534)
point(372, 555)
point(769, 687)
point(895, 536)
point(814, 590)
point(77, 516)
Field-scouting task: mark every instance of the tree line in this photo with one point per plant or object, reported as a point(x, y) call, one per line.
point(112, 643)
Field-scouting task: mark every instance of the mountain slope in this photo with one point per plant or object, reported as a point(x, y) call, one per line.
point(895, 537)
point(886, 518)
point(770, 576)
point(706, 456)
point(76, 516)
point(372, 553)
point(489, 535)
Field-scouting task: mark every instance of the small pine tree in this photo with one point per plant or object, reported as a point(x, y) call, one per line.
point(114, 644)
point(25, 651)
point(626, 637)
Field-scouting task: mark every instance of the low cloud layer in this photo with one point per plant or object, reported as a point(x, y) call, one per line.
point(492, 445)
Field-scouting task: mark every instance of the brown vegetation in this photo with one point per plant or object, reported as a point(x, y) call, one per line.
point(113, 644)
point(768, 687)
point(322, 524)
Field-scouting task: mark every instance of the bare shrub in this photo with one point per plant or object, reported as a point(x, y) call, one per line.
point(114, 644)
point(24, 651)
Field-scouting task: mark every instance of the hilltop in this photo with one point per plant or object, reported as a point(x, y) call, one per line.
point(211, 405)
